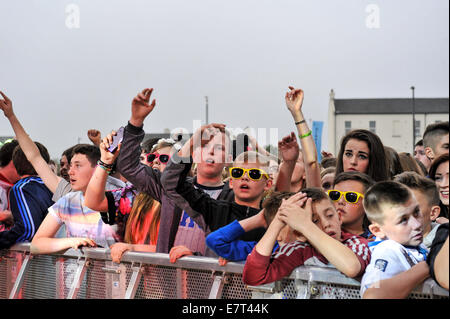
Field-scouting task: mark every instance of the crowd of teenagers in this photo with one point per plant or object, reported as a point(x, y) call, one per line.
point(370, 212)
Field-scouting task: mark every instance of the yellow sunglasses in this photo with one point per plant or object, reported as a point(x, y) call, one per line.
point(350, 197)
point(253, 173)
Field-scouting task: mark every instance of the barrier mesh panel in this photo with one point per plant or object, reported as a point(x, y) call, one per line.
point(3, 275)
point(93, 285)
point(235, 288)
point(199, 284)
point(157, 282)
point(40, 278)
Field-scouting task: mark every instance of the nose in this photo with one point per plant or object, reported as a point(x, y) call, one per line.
point(354, 160)
point(416, 223)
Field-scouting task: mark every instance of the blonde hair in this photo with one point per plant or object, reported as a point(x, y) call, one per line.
point(145, 210)
point(252, 157)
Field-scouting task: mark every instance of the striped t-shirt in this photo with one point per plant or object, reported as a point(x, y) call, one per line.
point(81, 221)
point(29, 200)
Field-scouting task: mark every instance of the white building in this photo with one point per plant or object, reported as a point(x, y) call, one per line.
point(390, 119)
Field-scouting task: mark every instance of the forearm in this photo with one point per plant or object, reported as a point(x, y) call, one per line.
point(253, 222)
point(309, 151)
point(265, 246)
point(339, 255)
point(284, 177)
point(441, 265)
point(95, 192)
point(45, 245)
point(399, 286)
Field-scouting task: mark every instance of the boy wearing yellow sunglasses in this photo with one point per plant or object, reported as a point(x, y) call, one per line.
point(249, 180)
point(348, 195)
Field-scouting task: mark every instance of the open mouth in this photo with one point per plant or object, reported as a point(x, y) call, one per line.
point(209, 161)
point(444, 194)
point(244, 187)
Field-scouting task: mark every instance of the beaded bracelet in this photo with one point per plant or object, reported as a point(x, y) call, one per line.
point(100, 162)
point(305, 135)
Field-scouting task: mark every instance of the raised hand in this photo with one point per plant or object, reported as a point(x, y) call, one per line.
point(294, 100)
point(140, 107)
point(201, 137)
point(298, 214)
point(95, 136)
point(106, 156)
point(6, 105)
point(289, 149)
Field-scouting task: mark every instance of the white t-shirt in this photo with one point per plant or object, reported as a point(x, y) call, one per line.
point(390, 258)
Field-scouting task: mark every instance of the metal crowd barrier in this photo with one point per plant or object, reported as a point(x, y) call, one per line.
point(90, 274)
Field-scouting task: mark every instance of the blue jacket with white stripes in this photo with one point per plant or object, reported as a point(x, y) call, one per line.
point(29, 201)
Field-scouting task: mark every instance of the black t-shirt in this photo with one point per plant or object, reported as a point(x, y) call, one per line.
point(438, 242)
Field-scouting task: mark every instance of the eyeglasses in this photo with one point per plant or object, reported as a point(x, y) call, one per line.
point(163, 158)
point(253, 173)
point(350, 197)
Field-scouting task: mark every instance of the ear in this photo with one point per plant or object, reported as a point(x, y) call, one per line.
point(269, 183)
point(375, 229)
point(435, 211)
point(230, 183)
point(429, 153)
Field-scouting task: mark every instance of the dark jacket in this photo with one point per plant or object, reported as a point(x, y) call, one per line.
point(148, 180)
point(212, 213)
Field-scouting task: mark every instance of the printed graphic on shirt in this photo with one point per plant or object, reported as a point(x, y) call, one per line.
point(381, 264)
point(189, 234)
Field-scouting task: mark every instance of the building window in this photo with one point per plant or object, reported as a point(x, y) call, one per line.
point(396, 129)
point(373, 126)
point(417, 129)
point(348, 126)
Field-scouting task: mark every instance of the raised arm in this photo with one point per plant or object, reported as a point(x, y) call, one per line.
point(288, 147)
point(29, 148)
point(94, 197)
point(144, 178)
point(294, 101)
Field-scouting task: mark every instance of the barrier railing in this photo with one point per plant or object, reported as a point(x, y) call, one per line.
point(90, 274)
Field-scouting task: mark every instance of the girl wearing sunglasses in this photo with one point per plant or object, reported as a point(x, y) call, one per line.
point(347, 194)
point(160, 154)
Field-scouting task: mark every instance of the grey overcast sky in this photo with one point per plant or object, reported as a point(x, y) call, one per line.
point(65, 78)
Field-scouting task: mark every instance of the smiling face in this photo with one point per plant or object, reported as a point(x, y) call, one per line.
point(402, 223)
point(80, 172)
point(442, 180)
point(356, 156)
point(352, 214)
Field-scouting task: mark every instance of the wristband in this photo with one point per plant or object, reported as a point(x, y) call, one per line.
point(101, 163)
point(300, 122)
point(305, 135)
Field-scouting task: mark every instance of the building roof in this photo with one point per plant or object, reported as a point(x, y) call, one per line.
point(391, 106)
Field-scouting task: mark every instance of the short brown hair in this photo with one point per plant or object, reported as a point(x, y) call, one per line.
point(385, 192)
point(273, 202)
point(421, 183)
point(20, 161)
point(252, 157)
point(363, 178)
